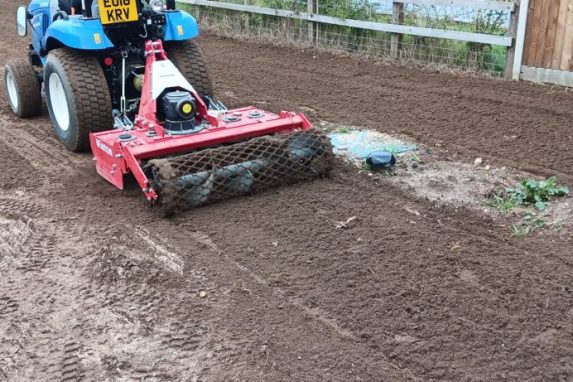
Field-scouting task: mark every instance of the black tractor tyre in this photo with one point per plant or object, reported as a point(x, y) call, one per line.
point(188, 58)
point(77, 79)
point(23, 88)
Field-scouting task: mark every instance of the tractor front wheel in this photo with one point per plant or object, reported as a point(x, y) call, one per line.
point(187, 57)
point(23, 88)
point(77, 95)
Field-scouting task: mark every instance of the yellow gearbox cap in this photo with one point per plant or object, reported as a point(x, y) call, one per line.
point(187, 108)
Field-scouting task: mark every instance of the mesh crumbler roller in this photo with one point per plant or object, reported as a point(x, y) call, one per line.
point(209, 175)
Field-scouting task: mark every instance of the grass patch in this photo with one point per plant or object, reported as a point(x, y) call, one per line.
point(528, 192)
point(532, 222)
point(537, 192)
point(528, 228)
point(534, 194)
point(501, 203)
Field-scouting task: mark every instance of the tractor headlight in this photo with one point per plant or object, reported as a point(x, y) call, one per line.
point(156, 5)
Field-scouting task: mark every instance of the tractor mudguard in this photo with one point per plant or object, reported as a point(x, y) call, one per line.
point(88, 34)
point(76, 33)
point(180, 26)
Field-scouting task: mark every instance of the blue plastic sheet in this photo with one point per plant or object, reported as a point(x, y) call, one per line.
point(358, 144)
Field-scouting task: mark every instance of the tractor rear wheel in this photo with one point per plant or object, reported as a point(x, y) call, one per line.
point(23, 88)
point(187, 57)
point(78, 97)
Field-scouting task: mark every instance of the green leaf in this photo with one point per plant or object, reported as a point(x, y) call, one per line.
point(536, 192)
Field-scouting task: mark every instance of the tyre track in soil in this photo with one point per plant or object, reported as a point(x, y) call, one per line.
point(65, 304)
point(98, 288)
point(161, 310)
point(34, 142)
point(38, 140)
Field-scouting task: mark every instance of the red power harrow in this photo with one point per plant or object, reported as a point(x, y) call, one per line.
point(206, 154)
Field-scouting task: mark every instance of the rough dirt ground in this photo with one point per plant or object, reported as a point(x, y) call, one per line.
point(94, 287)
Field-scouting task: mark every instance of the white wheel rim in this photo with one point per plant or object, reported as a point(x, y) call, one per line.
point(59, 102)
point(12, 92)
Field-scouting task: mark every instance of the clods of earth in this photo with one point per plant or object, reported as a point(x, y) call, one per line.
point(399, 277)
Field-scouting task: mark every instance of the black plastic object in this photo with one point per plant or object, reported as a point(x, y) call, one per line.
point(381, 159)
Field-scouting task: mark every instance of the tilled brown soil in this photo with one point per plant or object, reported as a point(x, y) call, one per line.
point(522, 124)
point(95, 287)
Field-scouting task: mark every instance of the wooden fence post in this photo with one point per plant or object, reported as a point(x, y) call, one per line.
point(516, 49)
point(247, 17)
point(512, 31)
point(396, 39)
point(312, 9)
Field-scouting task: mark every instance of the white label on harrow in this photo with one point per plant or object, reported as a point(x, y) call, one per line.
point(103, 147)
point(164, 75)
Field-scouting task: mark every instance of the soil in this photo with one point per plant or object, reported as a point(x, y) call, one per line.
point(431, 173)
point(272, 287)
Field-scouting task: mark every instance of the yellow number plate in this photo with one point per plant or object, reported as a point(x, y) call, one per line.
point(117, 11)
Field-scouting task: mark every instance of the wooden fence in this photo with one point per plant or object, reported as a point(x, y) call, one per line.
point(539, 37)
point(396, 27)
point(548, 50)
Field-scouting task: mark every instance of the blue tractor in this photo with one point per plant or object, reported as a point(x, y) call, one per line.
point(126, 79)
point(88, 57)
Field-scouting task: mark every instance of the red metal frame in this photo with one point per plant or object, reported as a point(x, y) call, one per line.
point(116, 155)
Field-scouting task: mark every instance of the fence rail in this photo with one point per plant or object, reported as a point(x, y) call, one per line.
point(474, 4)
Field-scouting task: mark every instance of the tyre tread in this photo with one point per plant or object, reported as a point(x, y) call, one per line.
point(91, 97)
point(27, 86)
